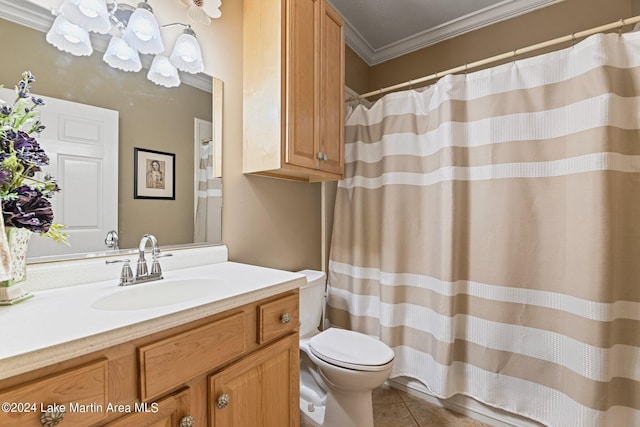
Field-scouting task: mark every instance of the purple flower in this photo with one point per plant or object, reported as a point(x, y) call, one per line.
point(23, 198)
point(24, 86)
point(28, 209)
point(27, 149)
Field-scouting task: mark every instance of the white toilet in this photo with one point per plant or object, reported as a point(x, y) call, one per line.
point(338, 368)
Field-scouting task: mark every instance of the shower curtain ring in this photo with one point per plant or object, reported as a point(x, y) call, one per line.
point(410, 84)
point(573, 39)
point(620, 27)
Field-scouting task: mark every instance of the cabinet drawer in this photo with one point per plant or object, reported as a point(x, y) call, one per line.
point(277, 318)
point(81, 392)
point(169, 363)
point(170, 411)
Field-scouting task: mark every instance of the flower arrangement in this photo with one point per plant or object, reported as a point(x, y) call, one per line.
point(24, 196)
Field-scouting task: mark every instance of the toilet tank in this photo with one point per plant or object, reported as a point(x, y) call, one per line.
point(311, 301)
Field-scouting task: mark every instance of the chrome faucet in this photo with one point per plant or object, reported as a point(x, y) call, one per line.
point(142, 271)
point(111, 241)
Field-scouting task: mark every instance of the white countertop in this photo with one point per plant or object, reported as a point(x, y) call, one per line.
point(60, 324)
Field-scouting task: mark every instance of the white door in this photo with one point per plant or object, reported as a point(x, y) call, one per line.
point(81, 142)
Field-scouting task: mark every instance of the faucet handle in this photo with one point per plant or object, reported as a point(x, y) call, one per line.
point(155, 266)
point(126, 275)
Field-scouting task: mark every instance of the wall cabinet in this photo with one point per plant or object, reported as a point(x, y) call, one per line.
point(236, 368)
point(293, 82)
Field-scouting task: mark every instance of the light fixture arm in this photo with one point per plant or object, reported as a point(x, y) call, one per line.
point(187, 30)
point(119, 14)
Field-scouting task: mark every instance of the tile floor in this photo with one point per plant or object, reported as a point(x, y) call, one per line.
point(395, 408)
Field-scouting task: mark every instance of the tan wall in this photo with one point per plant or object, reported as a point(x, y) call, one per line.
point(554, 21)
point(265, 221)
point(356, 73)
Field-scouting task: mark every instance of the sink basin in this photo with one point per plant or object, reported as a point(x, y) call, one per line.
point(162, 293)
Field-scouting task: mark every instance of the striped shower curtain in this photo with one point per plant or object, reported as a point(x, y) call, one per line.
point(208, 215)
point(488, 230)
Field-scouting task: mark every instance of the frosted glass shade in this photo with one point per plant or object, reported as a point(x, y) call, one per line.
point(69, 37)
point(122, 56)
point(163, 72)
point(143, 33)
point(187, 55)
point(89, 14)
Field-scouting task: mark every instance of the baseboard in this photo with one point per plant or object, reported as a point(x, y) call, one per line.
point(463, 405)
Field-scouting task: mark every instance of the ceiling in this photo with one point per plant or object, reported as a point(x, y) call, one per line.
point(379, 30)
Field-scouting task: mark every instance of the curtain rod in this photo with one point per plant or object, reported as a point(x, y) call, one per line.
point(512, 54)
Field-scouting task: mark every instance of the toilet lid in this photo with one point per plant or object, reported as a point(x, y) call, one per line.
point(350, 349)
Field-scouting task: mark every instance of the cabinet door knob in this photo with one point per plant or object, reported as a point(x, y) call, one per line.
point(223, 401)
point(52, 418)
point(187, 421)
point(285, 318)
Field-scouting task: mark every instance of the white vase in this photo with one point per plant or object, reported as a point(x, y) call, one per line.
point(11, 290)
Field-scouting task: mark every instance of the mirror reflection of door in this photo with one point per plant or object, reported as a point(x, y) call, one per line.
point(81, 142)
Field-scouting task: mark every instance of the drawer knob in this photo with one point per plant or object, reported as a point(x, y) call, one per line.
point(285, 318)
point(223, 401)
point(52, 418)
point(187, 421)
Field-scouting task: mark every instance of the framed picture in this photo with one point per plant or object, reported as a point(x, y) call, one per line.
point(153, 174)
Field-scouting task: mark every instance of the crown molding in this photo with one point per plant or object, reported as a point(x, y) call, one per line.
point(473, 21)
point(26, 14)
point(38, 18)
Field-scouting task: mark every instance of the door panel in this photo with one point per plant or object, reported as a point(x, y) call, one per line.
point(302, 82)
point(332, 90)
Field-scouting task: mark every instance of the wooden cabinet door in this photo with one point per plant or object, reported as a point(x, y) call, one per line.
point(302, 82)
point(261, 390)
point(168, 412)
point(331, 138)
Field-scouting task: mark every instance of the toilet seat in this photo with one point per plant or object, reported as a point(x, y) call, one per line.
point(351, 350)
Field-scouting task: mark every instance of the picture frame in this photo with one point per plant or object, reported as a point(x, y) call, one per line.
point(153, 174)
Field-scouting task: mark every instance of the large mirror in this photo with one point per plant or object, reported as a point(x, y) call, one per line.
point(176, 122)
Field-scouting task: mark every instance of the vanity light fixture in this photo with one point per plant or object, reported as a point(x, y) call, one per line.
point(163, 72)
point(91, 15)
point(143, 32)
point(69, 37)
point(186, 54)
point(122, 56)
point(140, 35)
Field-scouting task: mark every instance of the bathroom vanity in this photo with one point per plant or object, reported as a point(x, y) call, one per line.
point(223, 357)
